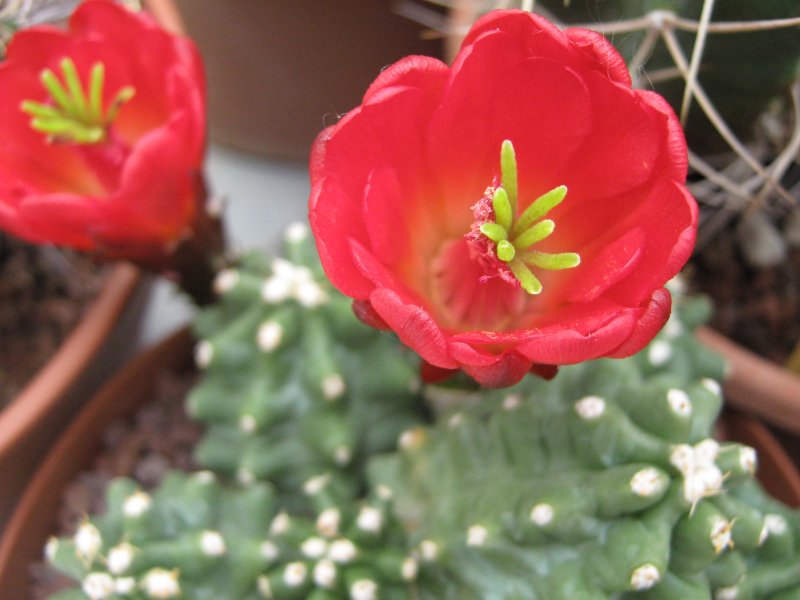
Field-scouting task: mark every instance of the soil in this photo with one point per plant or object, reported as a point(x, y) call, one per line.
point(758, 308)
point(43, 292)
point(158, 437)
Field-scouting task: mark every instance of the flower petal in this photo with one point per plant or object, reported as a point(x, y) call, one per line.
point(508, 370)
point(614, 262)
point(414, 326)
point(649, 322)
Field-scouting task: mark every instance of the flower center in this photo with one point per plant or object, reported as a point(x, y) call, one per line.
point(511, 236)
point(75, 113)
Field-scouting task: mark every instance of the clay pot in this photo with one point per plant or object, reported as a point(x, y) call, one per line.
point(755, 385)
point(32, 420)
point(278, 71)
point(35, 516)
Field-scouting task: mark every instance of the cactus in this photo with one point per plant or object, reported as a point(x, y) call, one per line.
point(197, 538)
point(603, 483)
point(294, 385)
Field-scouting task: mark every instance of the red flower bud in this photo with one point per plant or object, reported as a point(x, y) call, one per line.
point(554, 250)
point(102, 135)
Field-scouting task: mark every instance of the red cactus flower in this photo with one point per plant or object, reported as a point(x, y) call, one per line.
point(102, 135)
point(517, 211)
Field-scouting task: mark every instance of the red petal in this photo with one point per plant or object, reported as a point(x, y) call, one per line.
point(383, 210)
point(363, 310)
point(334, 220)
point(61, 219)
point(652, 318)
point(414, 326)
point(563, 344)
point(498, 93)
point(622, 149)
point(602, 52)
point(411, 71)
point(431, 374)
point(534, 35)
point(674, 155)
point(508, 370)
point(344, 159)
point(669, 219)
point(613, 263)
point(547, 372)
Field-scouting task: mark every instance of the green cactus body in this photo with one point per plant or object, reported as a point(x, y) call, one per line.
point(294, 385)
point(604, 483)
point(233, 542)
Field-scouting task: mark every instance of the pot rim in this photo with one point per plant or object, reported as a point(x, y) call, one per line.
point(35, 514)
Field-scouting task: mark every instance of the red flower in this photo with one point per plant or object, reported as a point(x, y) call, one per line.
point(416, 218)
point(113, 165)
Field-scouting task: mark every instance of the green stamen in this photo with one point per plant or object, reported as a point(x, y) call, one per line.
point(76, 114)
point(508, 172)
point(503, 211)
point(529, 282)
point(539, 208)
point(552, 262)
point(515, 235)
point(535, 233)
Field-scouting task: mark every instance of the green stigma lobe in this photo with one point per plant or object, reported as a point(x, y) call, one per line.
point(75, 113)
point(514, 236)
point(539, 208)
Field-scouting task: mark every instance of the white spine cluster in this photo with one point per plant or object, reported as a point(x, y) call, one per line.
point(203, 354)
point(325, 573)
point(98, 586)
point(590, 408)
point(477, 535)
point(328, 522)
point(542, 514)
point(333, 386)
point(226, 280)
point(364, 589)
point(314, 547)
point(701, 476)
point(647, 482)
point(295, 574)
point(269, 336)
point(119, 558)
point(292, 282)
point(342, 551)
point(679, 402)
point(369, 519)
point(659, 353)
point(212, 543)
point(645, 576)
point(296, 232)
point(161, 584)
point(88, 542)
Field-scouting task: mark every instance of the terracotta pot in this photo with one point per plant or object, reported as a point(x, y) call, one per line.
point(279, 71)
point(99, 345)
point(755, 385)
point(35, 516)
point(33, 419)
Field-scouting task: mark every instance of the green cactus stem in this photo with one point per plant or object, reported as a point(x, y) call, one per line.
point(197, 538)
point(293, 383)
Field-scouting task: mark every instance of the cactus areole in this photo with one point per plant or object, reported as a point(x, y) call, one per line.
point(519, 210)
